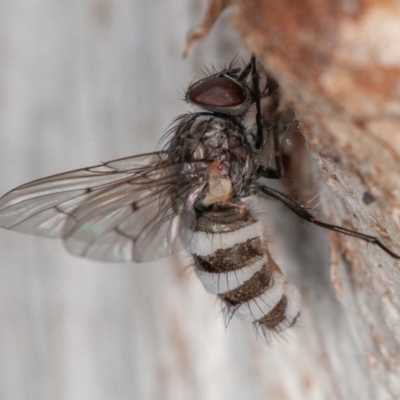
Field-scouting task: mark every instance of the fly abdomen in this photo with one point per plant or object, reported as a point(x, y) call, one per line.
point(232, 261)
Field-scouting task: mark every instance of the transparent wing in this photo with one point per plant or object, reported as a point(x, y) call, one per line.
point(137, 208)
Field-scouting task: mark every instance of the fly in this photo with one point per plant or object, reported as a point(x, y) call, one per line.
point(192, 195)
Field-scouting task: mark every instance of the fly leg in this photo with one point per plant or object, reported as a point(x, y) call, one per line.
point(271, 88)
point(303, 213)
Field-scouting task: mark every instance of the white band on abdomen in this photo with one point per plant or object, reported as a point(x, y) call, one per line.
point(223, 282)
point(205, 243)
point(262, 305)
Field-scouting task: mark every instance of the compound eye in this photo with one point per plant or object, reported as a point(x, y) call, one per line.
point(217, 92)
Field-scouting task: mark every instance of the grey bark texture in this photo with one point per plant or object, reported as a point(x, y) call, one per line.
point(83, 81)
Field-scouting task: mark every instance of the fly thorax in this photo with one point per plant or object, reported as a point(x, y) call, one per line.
point(231, 259)
point(202, 136)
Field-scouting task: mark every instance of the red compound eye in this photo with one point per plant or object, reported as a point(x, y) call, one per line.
point(218, 92)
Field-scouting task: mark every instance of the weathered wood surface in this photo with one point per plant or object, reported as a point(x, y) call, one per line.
point(339, 64)
point(84, 81)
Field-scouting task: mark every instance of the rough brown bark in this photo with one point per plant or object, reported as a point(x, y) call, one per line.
point(338, 64)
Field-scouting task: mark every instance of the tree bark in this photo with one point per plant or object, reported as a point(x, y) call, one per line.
point(338, 65)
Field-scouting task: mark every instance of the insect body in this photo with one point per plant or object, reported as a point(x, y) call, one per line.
point(192, 195)
point(230, 252)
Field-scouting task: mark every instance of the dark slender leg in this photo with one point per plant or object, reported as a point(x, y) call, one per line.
point(270, 88)
point(274, 173)
point(269, 173)
point(245, 73)
point(301, 211)
point(257, 100)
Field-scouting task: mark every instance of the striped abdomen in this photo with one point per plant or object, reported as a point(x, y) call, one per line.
point(232, 261)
